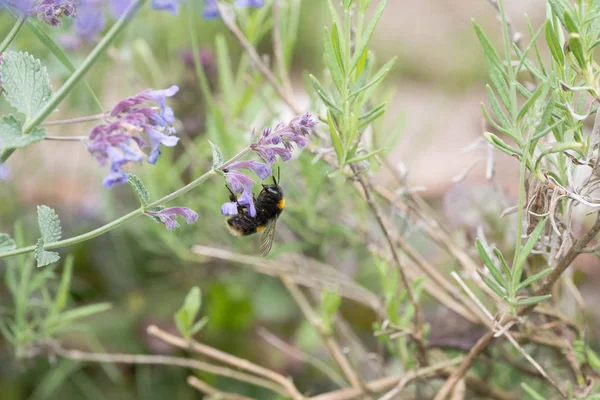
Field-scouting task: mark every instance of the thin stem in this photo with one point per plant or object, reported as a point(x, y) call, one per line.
point(212, 391)
point(114, 224)
point(13, 33)
point(76, 120)
point(521, 205)
point(66, 138)
point(87, 64)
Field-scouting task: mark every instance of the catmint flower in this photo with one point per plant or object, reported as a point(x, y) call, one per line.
point(211, 11)
point(295, 132)
point(168, 216)
point(239, 182)
point(130, 129)
point(48, 11)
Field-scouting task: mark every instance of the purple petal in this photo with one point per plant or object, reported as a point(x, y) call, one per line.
point(229, 208)
point(211, 11)
point(4, 172)
point(89, 21)
point(238, 181)
point(168, 5)
point(159, 97)
point(114, 177)
point(167, 216)
point(119, 6)
point(250, 3)
point(247, 199)
point(262, 170)
point(284, 154)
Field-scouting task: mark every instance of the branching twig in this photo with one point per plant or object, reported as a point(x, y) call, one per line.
point(207, 389)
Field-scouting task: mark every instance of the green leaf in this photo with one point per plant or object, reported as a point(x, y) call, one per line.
point(554, 45)
point(492, 284)
point(526, 249)
point(331, 59)
point(11, 134)
point(490, 264)
point(570, 23)
point(83, 312)
point(366, 36)
point(494, 67)
point(138, 187)
point(185, 316)
point(558, 9)
point(197, 327)
point(372, 114)
point(43, 257)
point(330, 303)
point(365, 156)
point(503, 263)
point(335, 41)
point(226, 82)
point(532, 300)
point(216, 155)
point(335, 138)
point(49, 224)
point(492, 122)
point(501, 144)
point(497, 110)
point(25, 82)
point(6, 243)
point(323, 95)
point(534, 278)
point(576, 47)
point(531, 101)
point(379, 76)
point(65, 283)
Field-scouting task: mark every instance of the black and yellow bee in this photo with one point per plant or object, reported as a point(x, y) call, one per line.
point(269, 205)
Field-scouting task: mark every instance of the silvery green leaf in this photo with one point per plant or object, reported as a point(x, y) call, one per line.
point(487, 261)
point(82, 312)
point(331, 57)
point(25, 82)
point(366, 36)
point(6, 243)
point(49, 224)
point(139, 188)
point(44, 257)
point(377, 78)
point(65, 283)
point(554, 45)
point(533, 300)
point(11, 135)
point(216, 155)
point(526, 249)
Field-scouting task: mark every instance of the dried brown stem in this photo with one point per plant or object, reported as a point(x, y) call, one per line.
point(228, 359)
point(376, 211)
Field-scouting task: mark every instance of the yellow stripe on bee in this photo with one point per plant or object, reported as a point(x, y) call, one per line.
point(281, 204)
point(260, 228)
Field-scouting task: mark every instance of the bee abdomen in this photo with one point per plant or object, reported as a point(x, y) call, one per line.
point(241, 225)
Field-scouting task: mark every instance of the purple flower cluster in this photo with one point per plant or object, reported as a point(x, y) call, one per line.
point(211, 11)
point(46, 10)
point(295, 132)
point(238, 182)
point(168, 216)
point(119, 140)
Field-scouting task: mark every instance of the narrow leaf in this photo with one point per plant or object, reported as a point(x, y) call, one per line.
point(534, 278)
point(490, 264)
point(332, 61)
point(554, 45)
point(533, 300)
point(379, 76)
point(83, 312)
point(335, 138)
point(366, 36)
point(530, 101)
point(365, 156)
point(526, 249)
point(65, 283)
point(322, 94)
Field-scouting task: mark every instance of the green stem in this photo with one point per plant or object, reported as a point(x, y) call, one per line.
point(521, 205)
point(80, 72)
point(135, 213)
point(13, 33)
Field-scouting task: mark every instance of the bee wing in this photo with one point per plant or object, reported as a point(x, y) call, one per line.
point(266, 240)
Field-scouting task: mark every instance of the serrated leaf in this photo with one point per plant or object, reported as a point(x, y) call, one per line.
point(6, 243)
point(185, 316)
point(532, 300)
point(366, 36)
point(11, 134)
point(25, 82)
point(216, 155)
point(534, 278)
point(490, 264)
point(44, 257)
point(138, 187)
point(49, 224)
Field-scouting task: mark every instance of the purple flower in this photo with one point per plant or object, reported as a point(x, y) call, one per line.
point(295, 132)
point(229, 208)
point(168, 216)
point(4, 172)
point(130, 129)
point(262, 170)
point(237, 181)
point(45, 10)
point(168, 5)
point(211, 11)
point(247, 199)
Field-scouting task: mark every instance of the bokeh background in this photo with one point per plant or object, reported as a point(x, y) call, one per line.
point(145, 271)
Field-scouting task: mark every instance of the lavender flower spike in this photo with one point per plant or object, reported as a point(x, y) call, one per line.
point(168, 216)
point(295, 133)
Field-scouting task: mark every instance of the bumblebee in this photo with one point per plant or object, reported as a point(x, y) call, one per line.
point(269, 205)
